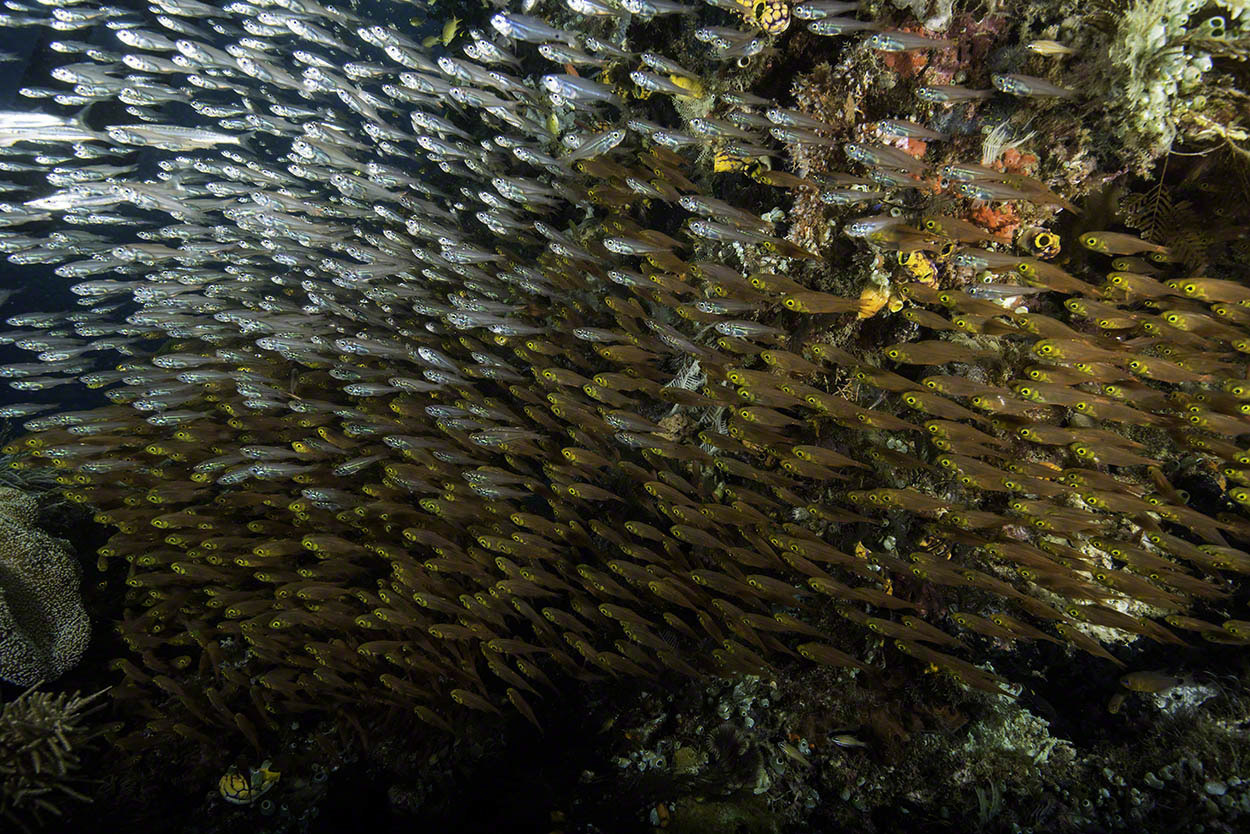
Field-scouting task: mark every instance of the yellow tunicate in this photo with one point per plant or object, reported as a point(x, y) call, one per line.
point(773, 16)
point(871, 301)
point(691, 85)
point(725, 162)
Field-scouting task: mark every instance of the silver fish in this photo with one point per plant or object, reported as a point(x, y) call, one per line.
point(171, 137)
point(526, 28)
point(1029, 86)
point(573, 88)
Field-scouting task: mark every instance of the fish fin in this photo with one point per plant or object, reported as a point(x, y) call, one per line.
point(247, 141)
point(80, 118)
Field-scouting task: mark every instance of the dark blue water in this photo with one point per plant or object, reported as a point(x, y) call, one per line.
point(40, 289)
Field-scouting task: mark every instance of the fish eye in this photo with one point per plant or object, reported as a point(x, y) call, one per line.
point(1089, 240)
point(1190, 289)
point(910, 399)
point(892, 353)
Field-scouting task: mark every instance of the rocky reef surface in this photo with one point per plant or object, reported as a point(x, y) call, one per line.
point(633, 416)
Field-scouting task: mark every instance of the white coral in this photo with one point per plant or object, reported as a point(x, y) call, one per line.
point(1156, 73)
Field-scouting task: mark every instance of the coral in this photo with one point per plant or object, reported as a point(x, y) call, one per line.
point(823, 751)
point(1171, 75)
point(42, 740)
point(907, 64)
point(581, 420)
point(935, 13)
point(1002, 221)
point(44, 628)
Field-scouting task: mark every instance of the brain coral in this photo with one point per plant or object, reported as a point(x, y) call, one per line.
point(43, 626)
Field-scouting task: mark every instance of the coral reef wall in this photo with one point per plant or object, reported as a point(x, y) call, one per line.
point(452, 372)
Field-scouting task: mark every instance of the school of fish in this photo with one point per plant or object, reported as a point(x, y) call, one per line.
point(442, 371)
